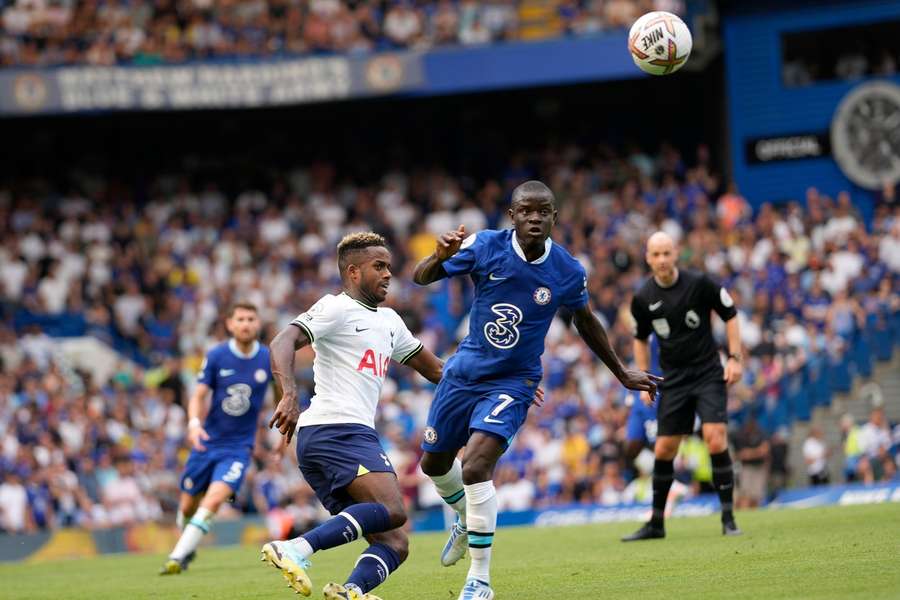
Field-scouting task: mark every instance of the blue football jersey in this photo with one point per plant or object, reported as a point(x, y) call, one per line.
point(238, 384)
point(515, 302)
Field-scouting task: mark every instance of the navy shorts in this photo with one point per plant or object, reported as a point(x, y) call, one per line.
point(498, 407)
point(332, 456)
point(228, 465)
point(641, 424)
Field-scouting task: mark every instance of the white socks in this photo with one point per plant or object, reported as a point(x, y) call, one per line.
point(193, 532)
point(302, 546)
point(450, 487)
point(481, 508)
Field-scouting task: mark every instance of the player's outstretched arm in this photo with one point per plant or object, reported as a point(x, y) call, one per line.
point(427, 365)
point(430, 269)
point(591, 331)
point(281, 350)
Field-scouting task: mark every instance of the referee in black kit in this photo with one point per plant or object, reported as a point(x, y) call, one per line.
point(677, 306)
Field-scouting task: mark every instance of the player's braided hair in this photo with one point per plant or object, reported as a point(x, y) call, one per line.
point(354, 242)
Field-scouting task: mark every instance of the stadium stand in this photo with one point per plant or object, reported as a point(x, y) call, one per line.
point(147, 271)
point(64, 32)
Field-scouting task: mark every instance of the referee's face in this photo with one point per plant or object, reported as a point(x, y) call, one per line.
point(661, 258)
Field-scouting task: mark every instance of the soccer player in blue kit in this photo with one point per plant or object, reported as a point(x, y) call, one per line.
point(222, 433)
point(521, 279)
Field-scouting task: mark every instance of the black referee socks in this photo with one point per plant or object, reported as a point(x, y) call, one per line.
point(663, 474)
point(723, 481)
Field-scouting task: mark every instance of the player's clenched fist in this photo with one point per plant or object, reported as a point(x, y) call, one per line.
point(448, 244)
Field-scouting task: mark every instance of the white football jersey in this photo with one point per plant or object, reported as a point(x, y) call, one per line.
point(354, 345)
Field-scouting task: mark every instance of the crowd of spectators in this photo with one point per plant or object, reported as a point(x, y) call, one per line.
point(144, 32)
point(812, 282)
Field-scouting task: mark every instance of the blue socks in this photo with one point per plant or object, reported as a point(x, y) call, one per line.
point(349, 525)
point(373, 567)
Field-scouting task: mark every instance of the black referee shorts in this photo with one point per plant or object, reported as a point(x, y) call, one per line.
point(691, 392)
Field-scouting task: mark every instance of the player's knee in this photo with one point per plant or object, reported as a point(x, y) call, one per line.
point(715, 441)
point(399, 543)
point(433, 466)
point(476, 470)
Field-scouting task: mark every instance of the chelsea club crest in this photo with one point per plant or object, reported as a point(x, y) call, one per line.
point(542, 295)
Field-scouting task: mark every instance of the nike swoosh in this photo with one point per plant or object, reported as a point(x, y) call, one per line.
point(488, 419)
point(226, 372)
point(656, 305)
point(363, 329)
point(493, 277)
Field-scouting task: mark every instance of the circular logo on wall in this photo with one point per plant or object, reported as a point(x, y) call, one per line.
point(542, 295)
point(260, 376)
point(30, 91)
point(430, 435)
point(385, 73)
point(865, 134)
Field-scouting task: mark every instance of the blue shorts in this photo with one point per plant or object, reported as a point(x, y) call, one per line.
point(227, 465)
point(641, 424)
point(498, 407)
point(332, 456)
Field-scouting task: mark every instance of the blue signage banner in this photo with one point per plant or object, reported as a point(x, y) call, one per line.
point(206, 85)
point(844, 495)
point(295, 81)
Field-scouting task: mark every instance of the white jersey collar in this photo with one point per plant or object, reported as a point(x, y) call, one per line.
point(232, 345)
point(548, 243)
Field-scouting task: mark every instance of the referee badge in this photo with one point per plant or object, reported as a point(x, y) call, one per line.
point(661, 327)
point(692, 319)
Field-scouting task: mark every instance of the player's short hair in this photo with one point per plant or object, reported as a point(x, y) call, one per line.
point(353, 243)
point(242, 304)
point(532, 188)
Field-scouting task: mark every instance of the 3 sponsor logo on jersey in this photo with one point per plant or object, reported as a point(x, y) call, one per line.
point(542, 296)
point(502, 333)
point(237, 400)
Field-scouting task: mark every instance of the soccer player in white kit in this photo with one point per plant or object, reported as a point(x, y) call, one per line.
point(338, 450)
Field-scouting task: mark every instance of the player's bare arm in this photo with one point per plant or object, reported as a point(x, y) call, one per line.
point(282, 350)
point(734, 366)
point(426, 364)
point(198, 406)
point(641, 351)
point(591, 331)
point(429, 269)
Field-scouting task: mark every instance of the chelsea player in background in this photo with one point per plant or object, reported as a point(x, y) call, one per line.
point(221, 433)
point(521, 278)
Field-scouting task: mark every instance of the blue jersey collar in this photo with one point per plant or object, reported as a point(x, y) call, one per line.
point(548, 243)
point(232, 345)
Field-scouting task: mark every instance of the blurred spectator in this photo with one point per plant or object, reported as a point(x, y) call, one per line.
point(875, 442)
point(753, 455)
point(815, 456)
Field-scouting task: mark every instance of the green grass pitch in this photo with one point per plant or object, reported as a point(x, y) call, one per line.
point(848, 552)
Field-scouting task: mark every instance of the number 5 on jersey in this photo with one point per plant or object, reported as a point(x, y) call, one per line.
point(506, 400)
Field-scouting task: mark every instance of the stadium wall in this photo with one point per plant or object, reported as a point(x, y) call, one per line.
point(154, 538)
point(760, 105)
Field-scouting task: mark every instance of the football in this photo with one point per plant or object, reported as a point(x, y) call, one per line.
point(660, 43)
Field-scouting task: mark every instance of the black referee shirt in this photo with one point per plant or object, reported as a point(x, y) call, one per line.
point(680, 317)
